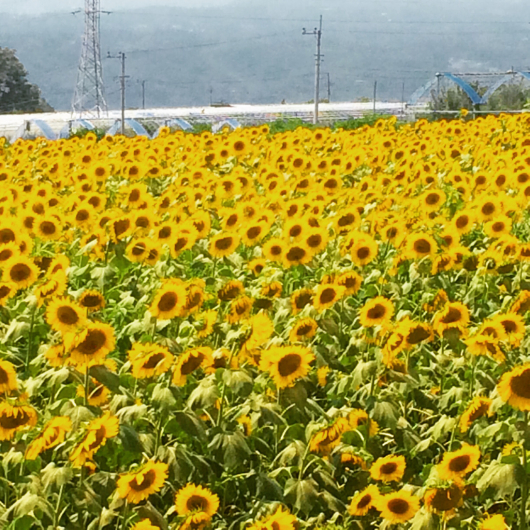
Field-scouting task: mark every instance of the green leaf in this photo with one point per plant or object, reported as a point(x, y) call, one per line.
point(232, 446)
point(303, 494)
point(268, 489)
point(503, 479)
point(204, 395)
point(104, 376)
point(56, 476)
point(239, 382)
point(386, 414)
point(190, 424)
point(162, 398)
point(130, 439)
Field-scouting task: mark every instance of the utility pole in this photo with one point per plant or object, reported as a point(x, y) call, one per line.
point(329, 89)
point(89, 93)
point(403, 97)
point(121, 56)
point(318, 33)
point(143, 93)
point(375, 93)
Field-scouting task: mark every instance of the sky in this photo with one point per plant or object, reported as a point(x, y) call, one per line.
point(24, 7)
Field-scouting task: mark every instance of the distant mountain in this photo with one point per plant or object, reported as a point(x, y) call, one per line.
point(253, 51)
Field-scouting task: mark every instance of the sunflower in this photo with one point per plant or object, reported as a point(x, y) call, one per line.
point(327, 295)
point(296, 254)
point(441, 500)
point(300, 299)
point(494, 522)
point(420, 246)
point(231, 290)
point(64, 315)
point(358, 417)
point(453, 315)
point(397, 507)
point(463, 221)
point(193, 499)
point(455, 465)
point(362, 502)
point(274, 250)
point(513, 325)
point(388, 468)
point(138, 485)
point(376, 312)
point(189, 361)
point(514, 387)
point(183, 240)
point(415, 333)
point(223, 244)
point(364, 249)
point(351, 281)
point(169, 300)
point(272, 290)
point(245, 422)
point(53, 433)
point(20, 271)
point(281, 519)
point(194, 300)
point(257, 265)
point(136, 250)
point(92, 300)
point(286, 364)
point(205, 323)
point(239, 309)
point(120, 228)
point(92, 344)
point(51, 288)
point(15, 418)
point(322, 375)
point(8, 377)
point(352, 461)
point(98, 394)
point(7, 291)
point(522, 303)
point(47, 228)
point(98, 432)
point(325, 440)
point(304, 329)
point(149, 360)
point(477, 408)
point(195, 521)
point(487, 345)
point(261, 330)
point(316, 239)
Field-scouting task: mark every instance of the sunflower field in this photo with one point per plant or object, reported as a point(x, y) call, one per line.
point(252, 331)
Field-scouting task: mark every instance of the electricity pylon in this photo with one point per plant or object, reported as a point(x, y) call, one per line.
point(89, 96)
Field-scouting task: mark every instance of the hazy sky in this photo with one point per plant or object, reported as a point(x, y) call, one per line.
point(43, 6)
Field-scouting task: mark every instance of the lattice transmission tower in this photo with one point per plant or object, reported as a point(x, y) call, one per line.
point(89, 96)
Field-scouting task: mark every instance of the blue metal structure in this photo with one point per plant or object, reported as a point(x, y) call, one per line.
point(475, 98)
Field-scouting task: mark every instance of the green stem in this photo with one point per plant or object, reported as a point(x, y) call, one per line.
point(524, 485)
point(158, 435)
point(56, 515)
point(472, 381)
point(221, 406)
point(87, 385)
point(153, 333)
point(124, 520)
point(30, 337)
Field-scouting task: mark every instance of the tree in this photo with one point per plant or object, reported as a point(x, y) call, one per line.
point(17, 94)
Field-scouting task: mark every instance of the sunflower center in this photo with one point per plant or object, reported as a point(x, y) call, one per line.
point(422, 246)
point(147, 481)
point(364, 502)
point(121, 227)
point(224, 243)
point(398, 506)
point(138, 249)
point(363, 252)
point(67, 315)
point(254, 232)
point(480, 411)
point(304, 329)
point(91, 300)
point(197, 502)
point(7, 235)
point(165, 232)
point(509, 326)
point(432, 199)
point(153, 361)
point(327, 295)
point(6, 254)
point(276, 250)
point(20, 272)
point(13, 422)
point(295, 254)
point(192, 363)
point(82, 215)
point(180, 243)
point(417, 334)
point(289, 364)
point(4, 378)
point(488, 208)
point(346, 220)
point(462, 221)
point(520, 384)
point(445, 499)
point(376, 312)
point(388, 468)
point(460, 463)
point(93, 342)
point(453, 315)
point(314, 241)
point(167, 302)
